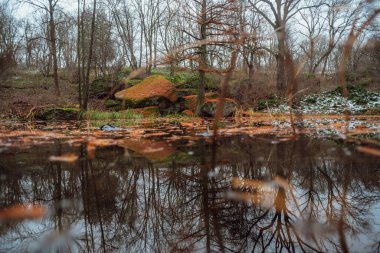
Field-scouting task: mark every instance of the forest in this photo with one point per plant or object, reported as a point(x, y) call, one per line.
point(83, 53)
point(189, 126)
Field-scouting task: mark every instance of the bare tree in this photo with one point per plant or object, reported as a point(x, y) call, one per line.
point(8, 35)
point(278, 15)
point(50, 8)
point(149, 16)
point(340, 17)
point(86, 65)
point(313, 22)
point(250, 24)
point(125, 23)
point(208, 38)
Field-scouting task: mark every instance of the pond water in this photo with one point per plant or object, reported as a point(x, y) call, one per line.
point(242, 194)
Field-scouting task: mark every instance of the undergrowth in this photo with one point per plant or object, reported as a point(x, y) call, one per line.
point(98, 115)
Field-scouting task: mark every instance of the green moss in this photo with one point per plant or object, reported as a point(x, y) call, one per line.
point(213, 82)
point(270, 102)
point(141, 103)
point(58, 114)
point(100, 86)
point(190, 80)
point(311, 100)
point(161, 71)
point(186, 92)
point(103, 85)
point(124, 72)
point(351, 88)
point(133, 82)
point(114, 105)
point(176, 79)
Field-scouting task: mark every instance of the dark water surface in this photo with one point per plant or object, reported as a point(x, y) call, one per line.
point(247, 194)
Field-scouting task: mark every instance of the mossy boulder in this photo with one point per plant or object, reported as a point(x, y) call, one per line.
point(152, 91)
point(209, 108)
point(191, 100)
point(57, 114)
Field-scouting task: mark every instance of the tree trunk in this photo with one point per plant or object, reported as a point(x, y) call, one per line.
point(155, 49)
point(324, 66)
point(251, 72)
point(53, 47)
point(281, 83)
point(203, 60)
point(172, 68)
point(141, 46)
point(201, 91)
point(79, 59)
point(86, 87)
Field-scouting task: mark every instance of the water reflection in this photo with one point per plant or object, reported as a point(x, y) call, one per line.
point(245, 194)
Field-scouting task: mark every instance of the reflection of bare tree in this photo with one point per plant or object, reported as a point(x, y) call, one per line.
point(113, 203)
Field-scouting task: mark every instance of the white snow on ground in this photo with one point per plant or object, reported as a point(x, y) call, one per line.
point(332, 102)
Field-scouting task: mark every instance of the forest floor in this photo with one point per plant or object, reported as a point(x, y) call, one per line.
point(320, 114)
point(360, 128)
point(24, 90)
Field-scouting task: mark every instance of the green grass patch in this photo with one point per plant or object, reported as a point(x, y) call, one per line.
point(98, 115)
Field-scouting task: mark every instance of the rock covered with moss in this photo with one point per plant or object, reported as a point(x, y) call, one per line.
point(191, 100)
point(152, 91)
point(57, 114)
point(209, 108)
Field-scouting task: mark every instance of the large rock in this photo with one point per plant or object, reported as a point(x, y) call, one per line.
point(191, 100)
point(210, 106)
point(152, 91)
point(57, 114)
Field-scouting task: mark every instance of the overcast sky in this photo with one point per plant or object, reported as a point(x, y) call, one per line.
point(26, 10)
